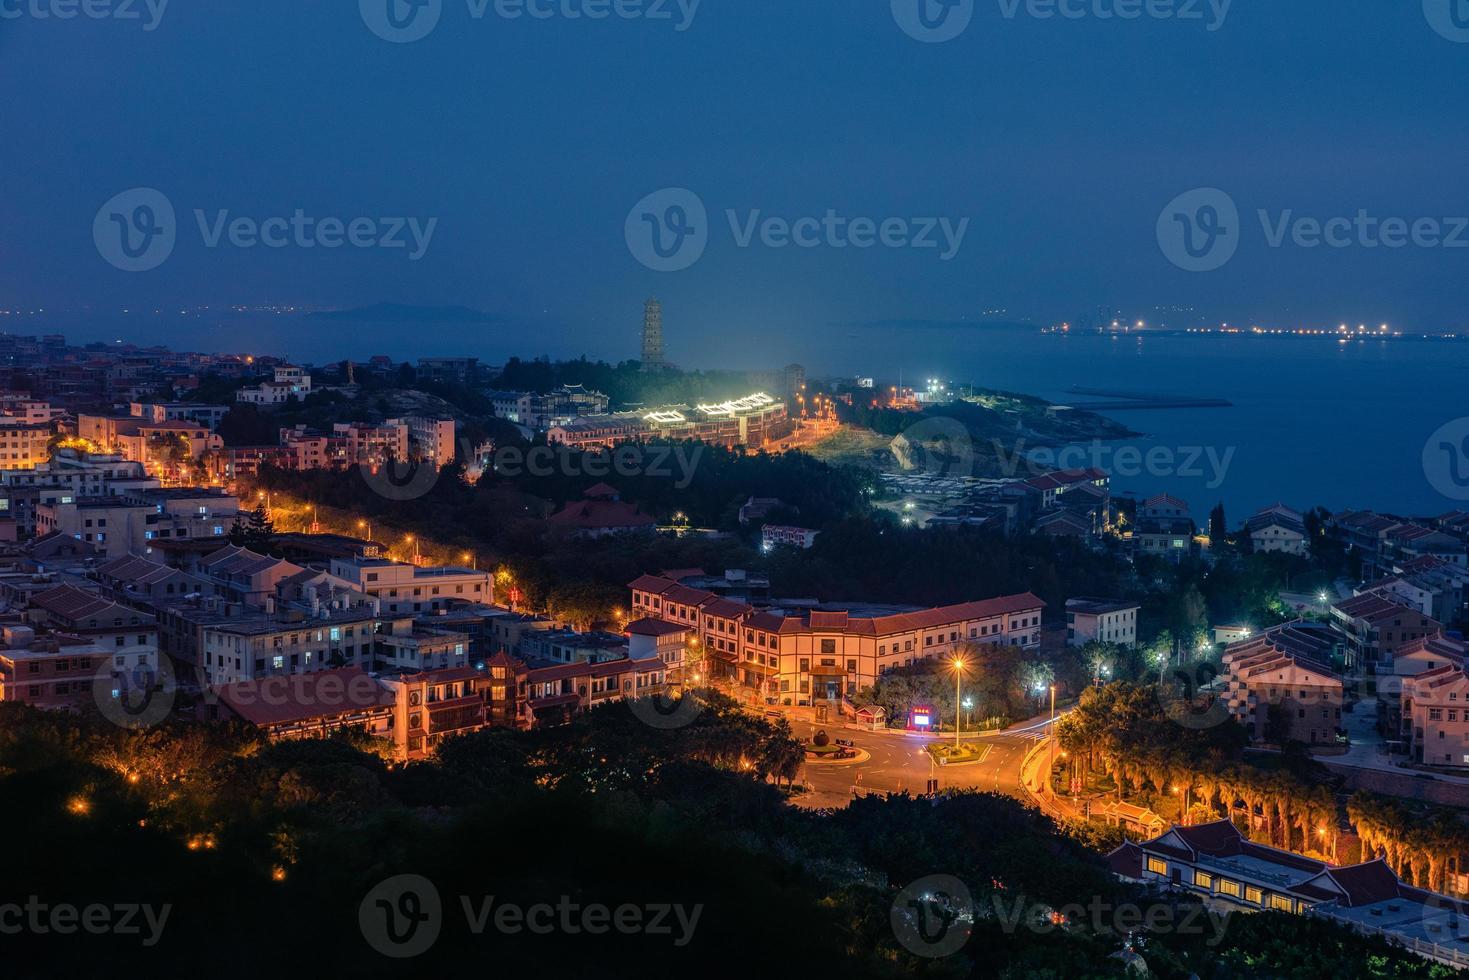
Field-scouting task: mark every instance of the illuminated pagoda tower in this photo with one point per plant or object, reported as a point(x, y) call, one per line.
point(652, 335)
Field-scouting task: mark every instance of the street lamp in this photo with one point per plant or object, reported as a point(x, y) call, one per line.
point(968, 707)
point(1187, 792)
point(368, 526)
point(958, 677)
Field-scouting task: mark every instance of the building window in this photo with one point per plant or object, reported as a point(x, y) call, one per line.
point(1282, 902)
point(1227, 887)
point(1157, 866)
point(1203, 879)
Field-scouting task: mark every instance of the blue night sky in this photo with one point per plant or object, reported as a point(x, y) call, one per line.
point(529, 140)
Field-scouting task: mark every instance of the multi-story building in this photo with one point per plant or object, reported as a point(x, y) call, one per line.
point(290, 382)
point(54, 670)
point(1288, 671)
point(783, 536)
point(1217, 862)
point(1394, 695)
point(251, 646)
point(669, 642)
point(1164, 528)
point(411, 589)
point(199, 412)
point(457, 370)
point(157, 445)
point(1377, 625)
point(240, 575)
point(568, 646)
point(751, 421)
point(23, 445)
point(828, 653)
point(129, 523)
point(1280, 529)
point(1104, 620)
point(364, 442)
point(129, 635)
point(429, 439)
point(1435, 715)
point(403, 645)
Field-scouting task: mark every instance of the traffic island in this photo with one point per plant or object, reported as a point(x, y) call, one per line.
point(963, 754)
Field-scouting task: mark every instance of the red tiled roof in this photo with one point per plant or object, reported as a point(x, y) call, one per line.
point(1366, 883)
point(302, 697)
point(1127, 860)
point(654, 627)
point(600, 513)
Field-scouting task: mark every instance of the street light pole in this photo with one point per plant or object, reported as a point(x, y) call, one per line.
point(1053, 730)
point(958, 677)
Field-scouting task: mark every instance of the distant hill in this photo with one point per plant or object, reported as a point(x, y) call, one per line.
point(398, 313)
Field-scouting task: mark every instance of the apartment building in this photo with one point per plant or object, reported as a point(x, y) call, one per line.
point(23, 445)
point(1288, 670)
point(668, 642)
point(774, 536)
point(1435, 715)
point(52, 670)
point(1278, 529)
point(253, 646)
point(403, 588)
point(1103, 620)
point(129, 635)
point(403, 645)
point(1163, 528)
point(240, 575)
point(363, 442)
point(429, 439)
point(1395, 695)
point(1377, 625)
point(290, 382)
point(825, 652)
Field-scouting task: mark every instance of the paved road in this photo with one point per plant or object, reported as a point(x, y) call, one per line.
point(898, 762)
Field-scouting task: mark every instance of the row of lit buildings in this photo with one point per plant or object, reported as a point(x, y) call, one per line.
point(814, 653)
point(751, 421)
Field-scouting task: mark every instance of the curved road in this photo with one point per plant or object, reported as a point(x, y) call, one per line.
point(899, 762)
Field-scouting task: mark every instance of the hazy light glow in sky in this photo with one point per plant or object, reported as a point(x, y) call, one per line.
point(527, 141)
